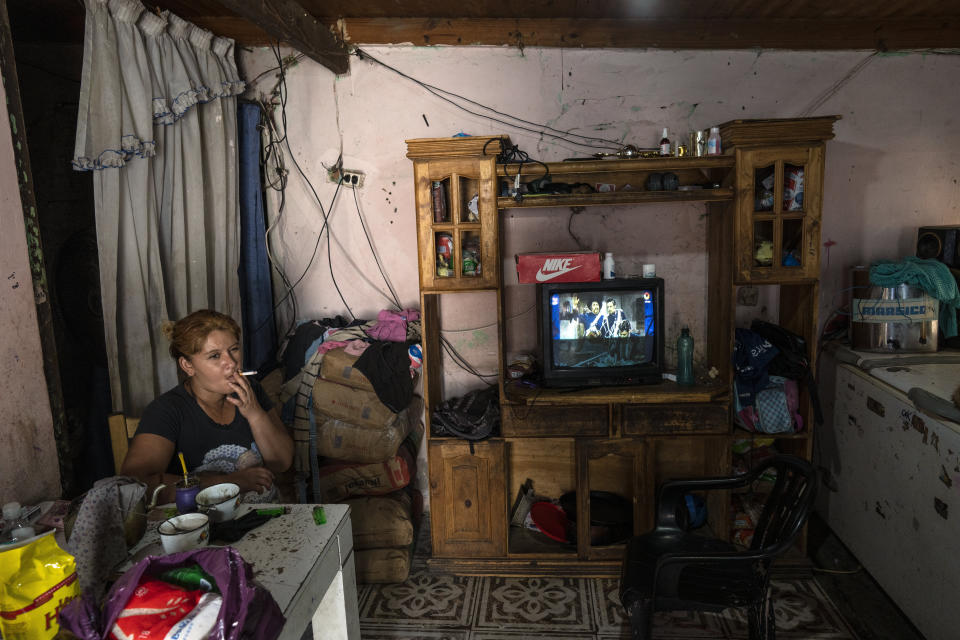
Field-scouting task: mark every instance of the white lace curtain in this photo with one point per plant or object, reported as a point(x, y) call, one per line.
point(157, 127)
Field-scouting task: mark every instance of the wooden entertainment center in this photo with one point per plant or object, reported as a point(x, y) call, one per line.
point(624, 440)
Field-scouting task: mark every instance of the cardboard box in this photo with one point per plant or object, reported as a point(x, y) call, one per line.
point(581, 266)
point(337, 366)
point(358, 406)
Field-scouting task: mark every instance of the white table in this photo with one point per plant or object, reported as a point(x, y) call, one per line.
point(308, 569)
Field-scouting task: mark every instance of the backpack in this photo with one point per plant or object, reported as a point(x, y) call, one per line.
point(792, 361)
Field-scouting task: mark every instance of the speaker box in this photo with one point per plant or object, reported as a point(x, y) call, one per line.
point(940, 243)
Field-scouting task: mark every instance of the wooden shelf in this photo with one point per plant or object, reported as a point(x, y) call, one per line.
point(623, 197)
point(526, 542)
point(763, 276)
point(666, 392)
point(464, 283)
point(525, 567)
point(535, 169)
point(740, 433)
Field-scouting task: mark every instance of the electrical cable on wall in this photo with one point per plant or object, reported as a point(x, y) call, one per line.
point(445, 344)
point(282, 93)
point(574, 211)
point(492, 324)
point(836, 86)
point(278, 137)
point(541, 129)
point(376, 257)
point(273, 155)
point(288, 62)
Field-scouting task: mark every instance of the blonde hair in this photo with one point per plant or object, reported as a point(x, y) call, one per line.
point(188, 334)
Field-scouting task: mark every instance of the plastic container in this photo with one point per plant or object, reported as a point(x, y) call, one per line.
point(550, 520)
point(608, 271)
point(16, 528)
point(714, 148)
point(685, 358)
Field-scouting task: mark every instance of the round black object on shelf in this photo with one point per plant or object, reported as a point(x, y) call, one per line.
point(670, 182)
point(611, 516)
point(654, 182)
point(606, 509)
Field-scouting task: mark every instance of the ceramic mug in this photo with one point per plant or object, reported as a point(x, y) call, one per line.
point(219, 501)
point(187, 494)
point(186, 532)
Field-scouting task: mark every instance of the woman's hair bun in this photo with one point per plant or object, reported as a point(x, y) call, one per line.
point(167, 329)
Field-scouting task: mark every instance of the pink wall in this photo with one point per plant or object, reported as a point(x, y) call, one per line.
point(29, 470)
point(891, 167)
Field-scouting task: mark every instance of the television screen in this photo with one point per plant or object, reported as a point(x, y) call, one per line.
point(602, 333)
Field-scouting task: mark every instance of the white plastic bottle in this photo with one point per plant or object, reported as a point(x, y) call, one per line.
point(608, 271)
point(714, 148)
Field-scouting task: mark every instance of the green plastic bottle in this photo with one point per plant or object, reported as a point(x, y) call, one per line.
point(685, 358)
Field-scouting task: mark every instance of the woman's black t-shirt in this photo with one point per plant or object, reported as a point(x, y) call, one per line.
point(176, 416)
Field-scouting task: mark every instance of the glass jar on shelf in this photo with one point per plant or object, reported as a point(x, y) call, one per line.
point(470, 251)
point(444, 255)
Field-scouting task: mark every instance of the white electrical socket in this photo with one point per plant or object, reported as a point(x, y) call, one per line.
point(351, 177)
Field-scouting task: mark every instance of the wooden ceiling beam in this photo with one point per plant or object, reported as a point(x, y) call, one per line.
point(884, 35)
point(287, 21)
point(904, 33)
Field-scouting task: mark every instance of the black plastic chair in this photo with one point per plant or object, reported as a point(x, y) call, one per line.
point(670, 568)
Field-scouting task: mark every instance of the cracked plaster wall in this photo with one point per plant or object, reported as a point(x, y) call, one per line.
point(891, 168)
point(28, 469)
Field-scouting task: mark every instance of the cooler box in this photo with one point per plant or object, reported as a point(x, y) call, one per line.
point(581, 266)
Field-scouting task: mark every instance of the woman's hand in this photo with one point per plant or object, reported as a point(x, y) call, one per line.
point(245, 400)
point(271, 436)
point(257, 479)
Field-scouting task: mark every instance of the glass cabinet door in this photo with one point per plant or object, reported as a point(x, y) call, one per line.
point(778, 233)
point(457, 223)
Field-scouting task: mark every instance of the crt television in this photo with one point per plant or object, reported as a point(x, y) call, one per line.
point(601, 333)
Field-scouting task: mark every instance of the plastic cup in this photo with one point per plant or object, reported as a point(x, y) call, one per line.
point(187, 495)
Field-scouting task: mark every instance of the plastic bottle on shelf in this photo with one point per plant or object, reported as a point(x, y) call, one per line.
point(608, 271)
point(15, 528)
point(714, 148)
point(665, 143)
point(685, 358)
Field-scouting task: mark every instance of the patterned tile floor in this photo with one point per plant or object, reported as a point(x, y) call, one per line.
point(439, 606)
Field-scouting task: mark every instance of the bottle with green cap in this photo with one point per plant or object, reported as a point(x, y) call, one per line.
point(685, 358)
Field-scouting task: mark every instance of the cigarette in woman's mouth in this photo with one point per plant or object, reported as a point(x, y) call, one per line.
point(248, 373)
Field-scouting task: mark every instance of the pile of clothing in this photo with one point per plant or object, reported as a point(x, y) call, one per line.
point(358, 429)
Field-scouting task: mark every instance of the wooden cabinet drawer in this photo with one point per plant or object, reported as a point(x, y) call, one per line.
point(527, 420)
point(675, 418)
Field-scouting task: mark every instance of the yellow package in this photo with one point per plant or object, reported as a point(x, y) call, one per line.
point(37, 578)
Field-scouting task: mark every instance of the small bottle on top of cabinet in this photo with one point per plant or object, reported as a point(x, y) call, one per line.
point(714, 148)
point(665, 143)
point(608, 271)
